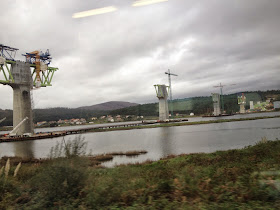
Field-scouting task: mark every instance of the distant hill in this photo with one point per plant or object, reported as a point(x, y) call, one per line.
point(108, 106)
point(199, 105)
point(57, 113)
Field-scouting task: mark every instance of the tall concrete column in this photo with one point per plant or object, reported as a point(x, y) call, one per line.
point(22, 107)
point(163, 110)
point(242, 103)
point(242, 109)
point(163, 104)
point(216, 104)
point(251, 104)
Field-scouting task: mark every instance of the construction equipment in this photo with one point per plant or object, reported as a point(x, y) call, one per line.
point(41, 61)
point(170, 92)
point(7, 55)
point(14, 131)
point(242, 102)
point(7, 52)
point(39, 71)
point(221, 96)
point(23, 76)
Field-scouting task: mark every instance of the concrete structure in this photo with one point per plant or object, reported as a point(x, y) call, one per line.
point(19, 75)
point(216, 104)
point(22, 99)
point(242, 102)
point(251, 104)
point(276, 104)
point(242, 109)
point(162, 95)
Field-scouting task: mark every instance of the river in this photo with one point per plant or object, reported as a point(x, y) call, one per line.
point(160, 142)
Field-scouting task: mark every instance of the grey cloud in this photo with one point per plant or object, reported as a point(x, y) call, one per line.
point(120, 55)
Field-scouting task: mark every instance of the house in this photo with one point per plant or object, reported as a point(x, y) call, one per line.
point(41, 123)
point(110, 119)
point(60, 121)
point(119, 119)
point(83, 120)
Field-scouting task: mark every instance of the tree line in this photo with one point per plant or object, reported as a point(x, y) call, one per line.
point(196, 105)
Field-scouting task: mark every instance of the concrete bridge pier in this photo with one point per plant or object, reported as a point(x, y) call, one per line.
point(216, 104)
point(242, 109)
point(162, 95)
point(22, 107)
point(163, 110)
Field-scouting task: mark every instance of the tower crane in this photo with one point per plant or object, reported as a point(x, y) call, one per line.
point(170, 91)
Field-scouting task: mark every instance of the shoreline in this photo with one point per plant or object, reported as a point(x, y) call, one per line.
point(54, 134)
point(9, 128)
point(182, 124)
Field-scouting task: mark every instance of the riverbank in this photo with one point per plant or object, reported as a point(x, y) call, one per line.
point(181, 124)
point(246, 178)
point(118, 127)
point(6, 128)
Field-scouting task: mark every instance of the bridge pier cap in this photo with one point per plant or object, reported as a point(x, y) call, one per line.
point(162, 95)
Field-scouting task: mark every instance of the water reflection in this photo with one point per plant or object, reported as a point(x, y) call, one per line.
point(165, 144)
point(24, 149)
point(159, 142)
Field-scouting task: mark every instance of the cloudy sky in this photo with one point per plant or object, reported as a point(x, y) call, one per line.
point(122, 54)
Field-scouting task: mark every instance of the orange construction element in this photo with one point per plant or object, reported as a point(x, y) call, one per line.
point(37, 64)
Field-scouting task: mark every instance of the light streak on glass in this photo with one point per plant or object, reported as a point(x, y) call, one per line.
point(146, 2)
point(94, 12)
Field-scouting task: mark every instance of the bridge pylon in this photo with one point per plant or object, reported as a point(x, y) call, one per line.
point(23, 77)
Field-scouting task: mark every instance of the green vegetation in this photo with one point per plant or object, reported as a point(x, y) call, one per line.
point(181, 124)
point(52, 114)
point(246, 178)
point(197, 105)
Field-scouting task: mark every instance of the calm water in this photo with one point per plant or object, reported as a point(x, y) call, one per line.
point(159, 142)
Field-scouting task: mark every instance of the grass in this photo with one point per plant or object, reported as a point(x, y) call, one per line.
point(247, 178)
point(98, 159)
point(102, 158)
point(129, 153)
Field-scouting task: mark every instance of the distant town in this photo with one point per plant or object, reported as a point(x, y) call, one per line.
point(268, 105)
point(92, 120)
point(109, 112)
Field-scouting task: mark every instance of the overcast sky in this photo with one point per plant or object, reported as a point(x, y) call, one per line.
point(121, 55)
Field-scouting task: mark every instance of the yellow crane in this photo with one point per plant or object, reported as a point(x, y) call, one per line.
point(36, 54)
